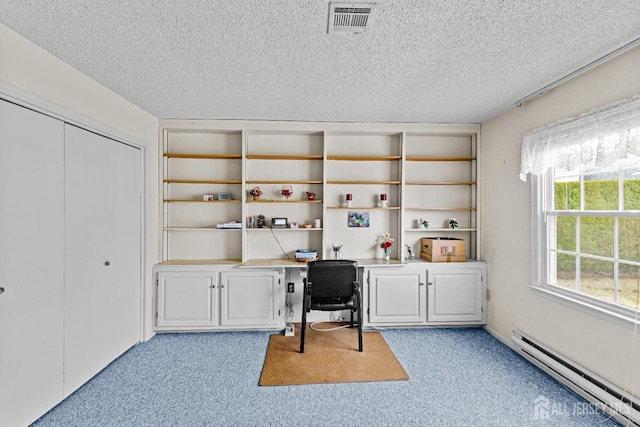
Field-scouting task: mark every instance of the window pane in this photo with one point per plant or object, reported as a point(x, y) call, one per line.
point(596, 278)
point(629, 280)
point(567, 192)
point(566, 233)
point(601, 193)
point(629, 239)
point(566, 271)
point(596, 236)
point(631, 189)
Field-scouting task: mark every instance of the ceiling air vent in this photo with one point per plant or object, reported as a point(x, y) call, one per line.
point(352, 18)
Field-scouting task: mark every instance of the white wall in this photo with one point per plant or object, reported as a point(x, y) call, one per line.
point(32, 70)
point(600, 345)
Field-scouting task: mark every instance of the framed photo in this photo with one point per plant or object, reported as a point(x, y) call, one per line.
point(279, 222)
point(358, 219)
point(208, 197)
point(224, 196)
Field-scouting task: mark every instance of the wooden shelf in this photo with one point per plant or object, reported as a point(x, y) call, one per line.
point(283, 157)
point(439, 229)
point(203, 156)
point(203, 181)
point(364, 208)
point(201, 262)
point(439, 209)
point(283, 201)
point(283, 228)
point(439, 158)
point(257, 181)
point(440, 183)
point(200, 229)
point(201, 201)
point(363, 182)
point(364, 158)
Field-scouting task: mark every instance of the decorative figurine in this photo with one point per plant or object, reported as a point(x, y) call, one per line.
point(287, 191)
point(256, 193)
point(410, 256)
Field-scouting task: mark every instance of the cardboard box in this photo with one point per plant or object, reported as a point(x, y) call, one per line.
point(443, 249)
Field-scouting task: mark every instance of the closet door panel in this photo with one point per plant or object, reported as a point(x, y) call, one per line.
point(31, 263)
point(86, 290)
point(124, 197)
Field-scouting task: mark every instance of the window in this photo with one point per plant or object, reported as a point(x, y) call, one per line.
point(586, 208)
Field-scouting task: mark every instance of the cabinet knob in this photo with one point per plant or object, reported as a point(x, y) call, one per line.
point(430, 284)
point(421, 284)
point(1, 290)
point(107, 263)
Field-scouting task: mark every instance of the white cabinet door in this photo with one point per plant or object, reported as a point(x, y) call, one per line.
point(102, 260)
point(31, 263)
point(397, 296)
point(456, 295)
point(250, 298)
point(187, 300)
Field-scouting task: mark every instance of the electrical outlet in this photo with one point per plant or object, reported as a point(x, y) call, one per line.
point(288, 330)
point(290, 287)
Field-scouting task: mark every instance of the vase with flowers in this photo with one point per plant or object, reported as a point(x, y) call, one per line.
point(256, 193)
point(287, 191)
point(385, 243)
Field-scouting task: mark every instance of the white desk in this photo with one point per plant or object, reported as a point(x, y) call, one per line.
point(292, 263)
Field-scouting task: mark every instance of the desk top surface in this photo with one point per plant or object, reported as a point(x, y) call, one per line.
point(290, 262)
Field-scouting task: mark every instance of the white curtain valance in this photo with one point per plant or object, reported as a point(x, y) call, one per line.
point(602, 135)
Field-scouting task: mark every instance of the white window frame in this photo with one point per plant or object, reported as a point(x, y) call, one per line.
point(541, 232)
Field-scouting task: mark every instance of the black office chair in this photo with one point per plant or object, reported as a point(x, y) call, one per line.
point(332, 285)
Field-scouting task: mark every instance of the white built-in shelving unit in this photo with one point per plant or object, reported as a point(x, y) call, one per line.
point(427, 171)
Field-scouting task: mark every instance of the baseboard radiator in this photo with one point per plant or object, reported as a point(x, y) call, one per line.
point(603, 395)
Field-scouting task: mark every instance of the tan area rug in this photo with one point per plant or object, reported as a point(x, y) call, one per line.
point(329, 357)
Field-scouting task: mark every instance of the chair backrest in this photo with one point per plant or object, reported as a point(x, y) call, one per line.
point(332, 278)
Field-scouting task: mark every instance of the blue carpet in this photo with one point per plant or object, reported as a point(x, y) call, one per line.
point(457, 377)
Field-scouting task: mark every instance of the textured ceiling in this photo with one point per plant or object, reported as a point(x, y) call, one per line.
point(421, 61)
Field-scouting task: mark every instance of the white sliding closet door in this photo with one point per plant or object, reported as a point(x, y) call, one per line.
point(102, 245)
point(124, 245)
point(31, 264)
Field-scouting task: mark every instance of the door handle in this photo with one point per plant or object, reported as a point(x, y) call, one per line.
point(1, 290)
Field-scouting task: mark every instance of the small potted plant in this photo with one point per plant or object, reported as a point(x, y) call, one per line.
point(310, 195)
point(453, 223)
point(256, 193)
